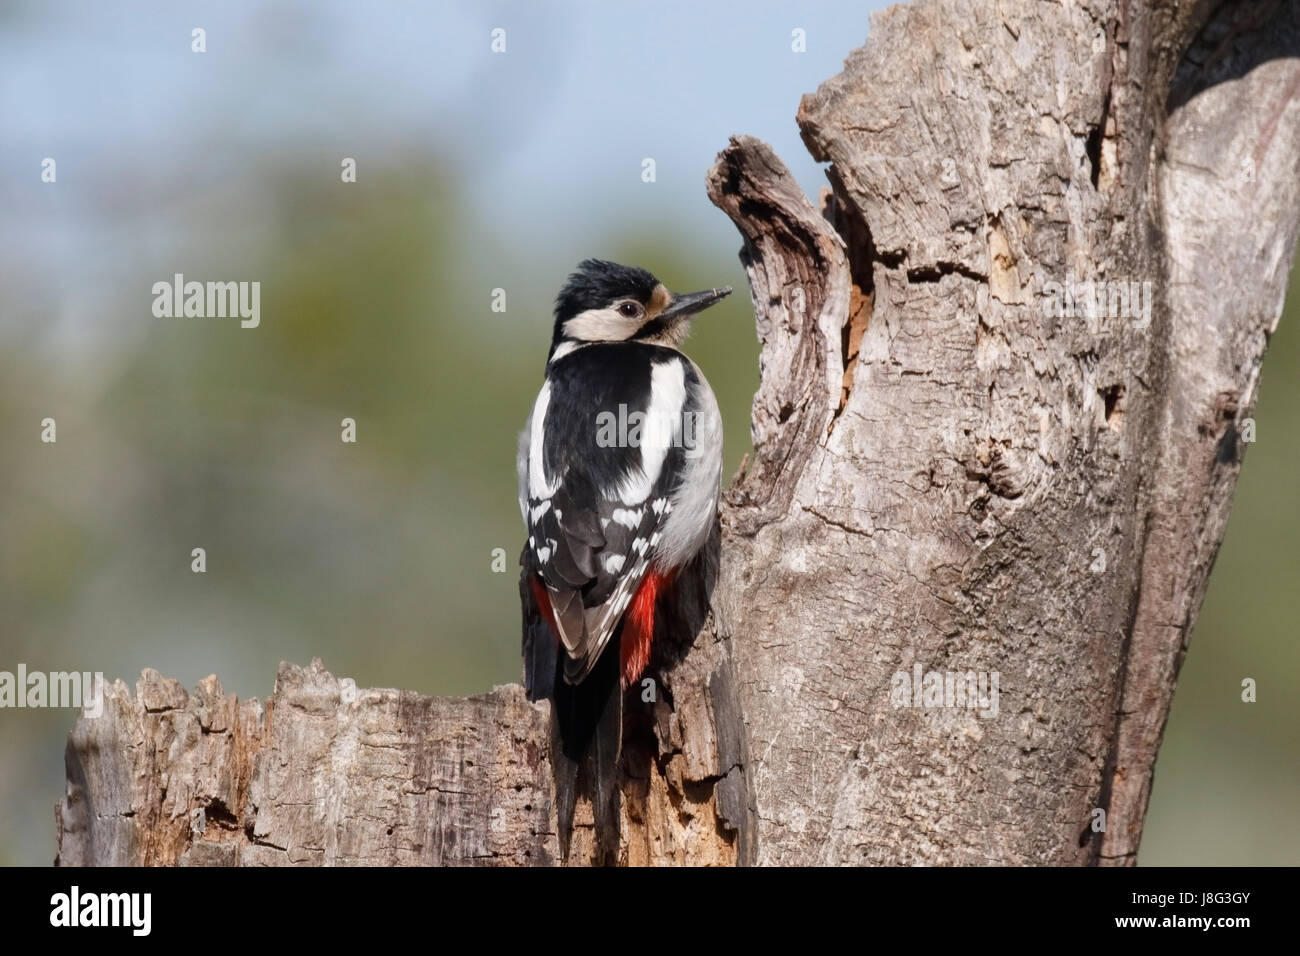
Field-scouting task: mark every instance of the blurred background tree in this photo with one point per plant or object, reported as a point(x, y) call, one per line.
point(476, 171)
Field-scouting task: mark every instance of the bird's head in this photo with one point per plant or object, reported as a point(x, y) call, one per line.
point(606, 302)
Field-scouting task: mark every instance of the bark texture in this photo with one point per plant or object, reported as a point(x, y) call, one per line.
point(952, 474)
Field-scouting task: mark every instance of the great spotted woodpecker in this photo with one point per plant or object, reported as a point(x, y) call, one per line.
point(619, 467)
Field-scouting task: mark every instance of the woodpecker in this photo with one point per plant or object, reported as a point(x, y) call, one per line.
point(619, 467)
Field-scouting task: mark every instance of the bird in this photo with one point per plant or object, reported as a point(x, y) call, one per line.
point(619, 467)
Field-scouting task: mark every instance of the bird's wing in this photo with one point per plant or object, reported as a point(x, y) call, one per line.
point(596, 488)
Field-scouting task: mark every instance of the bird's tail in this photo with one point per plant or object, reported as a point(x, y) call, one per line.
point(587, 724)
point(589, 736)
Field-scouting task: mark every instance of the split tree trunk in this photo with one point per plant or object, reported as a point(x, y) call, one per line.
point(947, 475)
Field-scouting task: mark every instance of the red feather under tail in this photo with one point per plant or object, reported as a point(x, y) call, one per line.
point(639, 626)
point(544, 604)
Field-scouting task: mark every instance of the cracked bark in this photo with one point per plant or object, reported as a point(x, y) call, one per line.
point(939, 463)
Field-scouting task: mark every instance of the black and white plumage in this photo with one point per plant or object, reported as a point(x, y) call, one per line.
point(619, 468)
point(599, 515)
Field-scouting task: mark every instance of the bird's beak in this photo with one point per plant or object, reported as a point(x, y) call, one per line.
point(691, 302)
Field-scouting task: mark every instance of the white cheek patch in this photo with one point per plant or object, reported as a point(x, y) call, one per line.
point(601, 325)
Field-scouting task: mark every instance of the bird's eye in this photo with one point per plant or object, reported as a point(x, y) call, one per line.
point(629, 310)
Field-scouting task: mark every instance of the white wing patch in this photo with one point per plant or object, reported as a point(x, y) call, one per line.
point(628, 518)
point(662, 425)
point(538, 487)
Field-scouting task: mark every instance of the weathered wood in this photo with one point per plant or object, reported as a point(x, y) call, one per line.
point(324, 773)
point(947, 474)
point(1004, 490)
point(320, 773)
